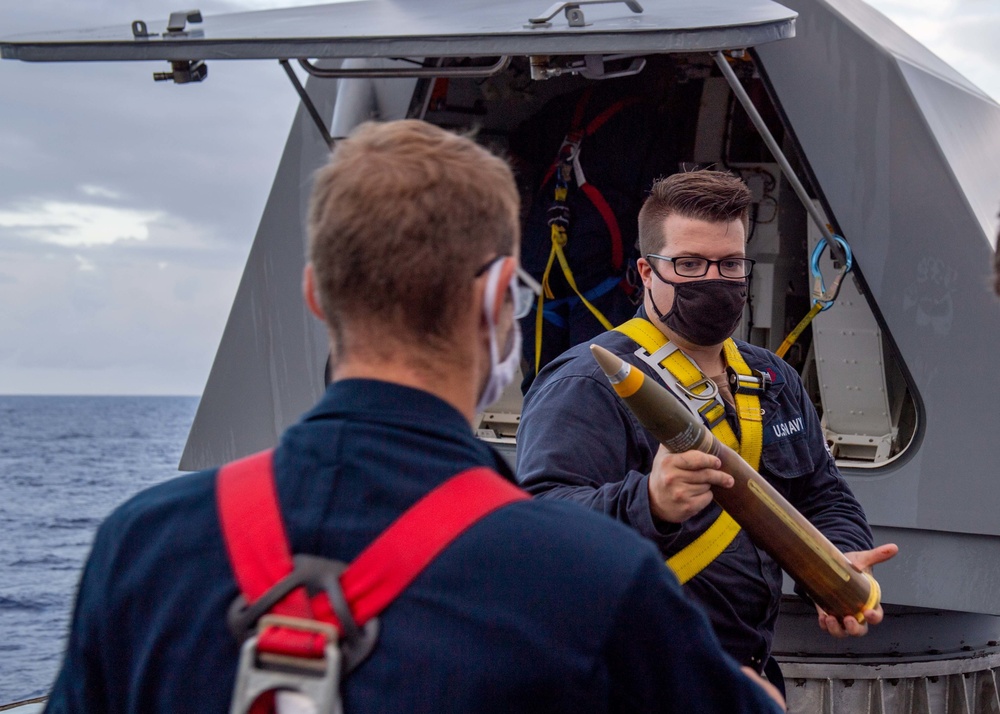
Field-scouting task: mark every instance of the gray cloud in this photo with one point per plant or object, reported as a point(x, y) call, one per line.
point(136, 316)
point(961, 32)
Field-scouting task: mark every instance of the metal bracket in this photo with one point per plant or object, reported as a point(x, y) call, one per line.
point(140, 31)
point(595, 67)
point(418, 71)
point(591, 67)
point(574, 15)
point(179, 20)
point(341, 73)
point(183, 72)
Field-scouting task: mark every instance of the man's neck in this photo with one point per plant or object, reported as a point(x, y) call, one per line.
point(454, 385)
point(710, 360)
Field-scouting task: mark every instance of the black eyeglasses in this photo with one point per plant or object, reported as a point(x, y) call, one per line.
point(694, 266)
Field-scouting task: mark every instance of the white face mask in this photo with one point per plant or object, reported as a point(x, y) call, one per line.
point(502, 371)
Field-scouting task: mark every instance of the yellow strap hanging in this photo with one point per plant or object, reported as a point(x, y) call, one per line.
point(794, 334)
point(558, 241)
point(696, 556)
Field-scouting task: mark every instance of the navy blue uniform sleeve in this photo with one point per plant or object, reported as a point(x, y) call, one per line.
point(79, 686)
point(664, 656)
point(820, 493)
point(578, 442)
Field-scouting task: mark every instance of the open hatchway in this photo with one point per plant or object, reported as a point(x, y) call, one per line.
point(693, 119)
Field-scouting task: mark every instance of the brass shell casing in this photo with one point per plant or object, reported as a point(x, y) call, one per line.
point(770, 520)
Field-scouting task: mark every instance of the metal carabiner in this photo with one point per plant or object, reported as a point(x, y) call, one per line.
point(819, 292)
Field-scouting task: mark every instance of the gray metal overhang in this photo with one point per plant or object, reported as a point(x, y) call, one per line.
point(422, 28)
point(906, 155)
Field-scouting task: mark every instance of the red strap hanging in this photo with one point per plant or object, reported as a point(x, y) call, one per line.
point(596, 198)
point(598, 121)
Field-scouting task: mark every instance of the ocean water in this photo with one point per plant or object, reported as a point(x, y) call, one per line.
point(65, 463)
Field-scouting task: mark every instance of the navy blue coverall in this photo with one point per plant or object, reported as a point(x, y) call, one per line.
point(540, 606)
point(578, 441)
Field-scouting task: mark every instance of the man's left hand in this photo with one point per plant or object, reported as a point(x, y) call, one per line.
point(862, 560)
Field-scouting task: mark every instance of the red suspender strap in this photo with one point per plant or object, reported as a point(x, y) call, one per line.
point(258, 548)
point(396, 557)
point(260, 556)
point(252, 526)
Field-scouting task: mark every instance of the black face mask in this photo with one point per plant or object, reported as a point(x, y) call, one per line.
point(705, 312)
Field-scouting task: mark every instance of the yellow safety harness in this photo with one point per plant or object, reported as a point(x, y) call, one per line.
point(559, 239)
point(678, 370)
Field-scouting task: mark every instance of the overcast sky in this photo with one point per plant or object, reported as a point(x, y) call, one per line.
point(128, 207)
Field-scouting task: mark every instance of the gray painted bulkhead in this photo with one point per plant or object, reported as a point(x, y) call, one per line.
point(906, 154)
point(269, 366)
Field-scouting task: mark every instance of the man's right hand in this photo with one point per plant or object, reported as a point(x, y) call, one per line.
point(680, 484)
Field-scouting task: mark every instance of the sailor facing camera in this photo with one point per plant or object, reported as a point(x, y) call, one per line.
point(380, 558)
point(578, 442)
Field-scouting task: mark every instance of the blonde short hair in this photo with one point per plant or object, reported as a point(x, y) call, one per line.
point(400, 219)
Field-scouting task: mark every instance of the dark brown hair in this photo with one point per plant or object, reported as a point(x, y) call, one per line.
point(715, 196)
point(400, 219)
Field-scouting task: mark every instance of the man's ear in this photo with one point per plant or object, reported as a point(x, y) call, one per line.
point(645, 272)
point(501, 288)
point(309, 292)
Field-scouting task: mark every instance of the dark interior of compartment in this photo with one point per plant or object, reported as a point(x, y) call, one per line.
point(682, 115)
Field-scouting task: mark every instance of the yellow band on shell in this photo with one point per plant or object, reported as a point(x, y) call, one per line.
point(630, 385)
point(874, 597)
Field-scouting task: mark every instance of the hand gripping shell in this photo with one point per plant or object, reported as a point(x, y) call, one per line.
point(772, 523)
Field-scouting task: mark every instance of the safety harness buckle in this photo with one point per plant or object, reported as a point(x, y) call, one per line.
point(705, 409)
point(317, 679)
point(755, 383)
point(710, 391)
point(302, 634)
point(702, 403)
point(569, 159)
point(570, 147)
point(316, 575)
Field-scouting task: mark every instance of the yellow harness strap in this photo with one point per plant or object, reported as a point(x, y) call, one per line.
point(696, 556)
point(559, 239)
point(794, 334)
